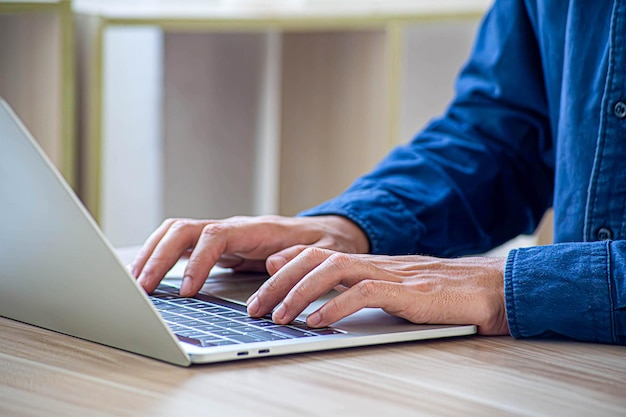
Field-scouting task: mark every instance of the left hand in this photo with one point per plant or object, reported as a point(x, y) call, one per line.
point(420, 289)
point(241, 243)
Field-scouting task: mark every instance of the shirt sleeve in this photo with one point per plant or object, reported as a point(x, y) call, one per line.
point(480, 174)
point(576, 290)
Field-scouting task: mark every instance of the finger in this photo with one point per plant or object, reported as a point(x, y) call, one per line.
point(210, 247)
point(276, 261)
point(148, 247)
point(181, 235)
point(337, 269)
point(367, 293)
point(221, 241)
point(278, 286)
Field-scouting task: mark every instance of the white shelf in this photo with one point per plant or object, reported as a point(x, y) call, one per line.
point(263, 109)
point(276, 9)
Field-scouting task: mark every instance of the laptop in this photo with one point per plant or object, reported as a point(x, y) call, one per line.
point(60, 273)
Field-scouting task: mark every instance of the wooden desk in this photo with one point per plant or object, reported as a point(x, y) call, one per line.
point(43, 374)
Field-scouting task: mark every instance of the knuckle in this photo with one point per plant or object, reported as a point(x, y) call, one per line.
point(427, 285)
point(367, 288)
point(169, 221)
point(272, 285)
point(339, 261)
point(155, 260)
point(180, 225)
point(152, 268)
point(194, 262)
point(301, 291)
point(213, 229)
point(300, 248)
point(311, 252)
point(333, 308)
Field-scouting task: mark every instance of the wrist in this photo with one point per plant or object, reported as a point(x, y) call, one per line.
point(354, 238)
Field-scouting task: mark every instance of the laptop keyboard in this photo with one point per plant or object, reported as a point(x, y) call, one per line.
point(210, 321)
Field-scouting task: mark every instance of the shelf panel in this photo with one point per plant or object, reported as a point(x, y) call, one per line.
point(30, 64)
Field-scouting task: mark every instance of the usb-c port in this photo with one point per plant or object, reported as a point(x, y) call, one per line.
point(262, 351)
point(245, 353)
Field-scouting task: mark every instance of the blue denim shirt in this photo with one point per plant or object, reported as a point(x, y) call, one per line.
point(538, 120)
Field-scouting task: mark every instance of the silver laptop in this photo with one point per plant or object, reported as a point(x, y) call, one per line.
point(59, 272)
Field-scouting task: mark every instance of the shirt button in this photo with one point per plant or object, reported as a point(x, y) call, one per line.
point(604, 233)
point(620, 109)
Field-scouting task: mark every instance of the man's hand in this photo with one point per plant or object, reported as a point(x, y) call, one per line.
point(418, 288)
point(241, 243)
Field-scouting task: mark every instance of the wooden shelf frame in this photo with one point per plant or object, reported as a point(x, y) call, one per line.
point(61, 144)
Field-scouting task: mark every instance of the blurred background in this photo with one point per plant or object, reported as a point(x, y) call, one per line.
point(155, 109)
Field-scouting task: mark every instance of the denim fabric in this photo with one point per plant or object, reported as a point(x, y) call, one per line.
point(538, 120)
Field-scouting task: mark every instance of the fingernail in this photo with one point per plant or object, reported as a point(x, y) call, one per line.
point(314, 319)
point(279, 314)
point(253, 307)
point(185, 286)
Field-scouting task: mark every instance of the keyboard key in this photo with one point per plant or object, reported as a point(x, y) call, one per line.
point(325, 330)
point(186, 301)
point(176, 328)
point(227, 323)
point(290, 331)
point(264, 323)
point(268, 336)
point(231, 314)
point(242, 328)
point(209, 308)
point(167, 307)
point(199, 315)
point(183, 321)
point(243, 338)
point(218, 343)
point(218, 321)
point(251, 320)
point(225, 333)
point(209, 328)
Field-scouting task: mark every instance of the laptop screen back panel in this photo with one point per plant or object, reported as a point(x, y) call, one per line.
point(58, 271)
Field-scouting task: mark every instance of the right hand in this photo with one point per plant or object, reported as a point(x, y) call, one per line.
point(241, 243)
